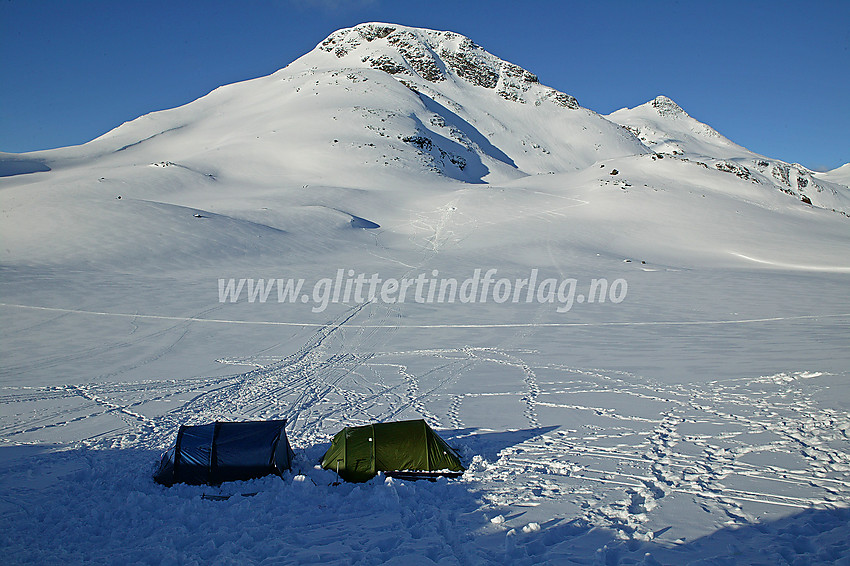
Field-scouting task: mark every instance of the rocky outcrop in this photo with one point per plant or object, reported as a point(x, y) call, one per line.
point(734, 168)
point(417, 54)
point(437, 56)
point(471, 63)
point(666, 107)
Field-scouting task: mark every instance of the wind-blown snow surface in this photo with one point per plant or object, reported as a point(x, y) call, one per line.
point(702, 418)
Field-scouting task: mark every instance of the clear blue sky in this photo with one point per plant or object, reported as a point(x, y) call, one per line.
point(773, 76)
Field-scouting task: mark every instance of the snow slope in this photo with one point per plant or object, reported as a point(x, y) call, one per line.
point(698, 416)
point(663, 126)
point(840, 175)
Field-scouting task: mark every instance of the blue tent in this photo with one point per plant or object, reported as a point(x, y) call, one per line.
point(218, 452)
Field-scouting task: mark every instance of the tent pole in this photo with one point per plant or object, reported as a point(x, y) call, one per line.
point(427, 451)
point(212, 468)
point(177, 451)
point(337, 482)
point(374, 450)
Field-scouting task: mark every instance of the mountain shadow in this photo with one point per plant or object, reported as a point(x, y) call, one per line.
point(12, 167)
point(468, 130)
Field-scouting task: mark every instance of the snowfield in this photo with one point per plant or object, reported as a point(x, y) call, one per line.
point(689, 404)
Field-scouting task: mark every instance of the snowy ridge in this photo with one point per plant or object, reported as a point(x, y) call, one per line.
point(666, 128)
point(840, 175)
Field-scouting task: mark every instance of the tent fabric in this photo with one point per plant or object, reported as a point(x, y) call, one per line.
point(226, 451)
point(359, 453)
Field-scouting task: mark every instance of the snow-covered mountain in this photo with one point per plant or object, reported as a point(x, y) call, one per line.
point(666, 382)
point(411, 100)
point(666, 128)
point(377, 96)
point(381, 109)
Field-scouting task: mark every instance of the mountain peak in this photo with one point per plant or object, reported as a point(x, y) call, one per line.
point(435, 56)
point(666, 107)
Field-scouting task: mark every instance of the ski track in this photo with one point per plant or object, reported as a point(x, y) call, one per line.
point(393, 326)
point(322, 386)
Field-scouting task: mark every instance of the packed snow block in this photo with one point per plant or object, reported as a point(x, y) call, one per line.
point(218, 452)
point(407, 449)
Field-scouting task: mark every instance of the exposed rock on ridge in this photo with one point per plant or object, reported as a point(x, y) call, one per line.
point(437, 56)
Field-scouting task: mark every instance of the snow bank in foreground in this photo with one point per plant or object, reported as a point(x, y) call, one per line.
point(107, 510)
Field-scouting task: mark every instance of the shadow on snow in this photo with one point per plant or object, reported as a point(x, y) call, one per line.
point(102, 507)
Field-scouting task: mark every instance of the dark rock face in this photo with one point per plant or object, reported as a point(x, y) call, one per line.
point(436, 55)
point(667, 107)
point(469, 67)
point(417, 55)
point(514, 81)
point(423, 143)
point(371, 32)
point(563, 99)
point(387, 65)
point(782, 173)
point(734, 168)
point(341, 43)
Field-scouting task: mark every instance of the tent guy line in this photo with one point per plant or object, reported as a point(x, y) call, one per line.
point(459, 325)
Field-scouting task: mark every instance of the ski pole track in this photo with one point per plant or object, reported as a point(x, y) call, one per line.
point(238, 395)
point(125, 410)
point(532, 390)
point(332, 371)
point(531, 482)
point(160, 353)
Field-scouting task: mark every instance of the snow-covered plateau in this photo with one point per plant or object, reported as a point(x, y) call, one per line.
point(634, 331)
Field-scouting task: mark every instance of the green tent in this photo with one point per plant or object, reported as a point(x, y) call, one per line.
point(409, 449)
